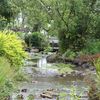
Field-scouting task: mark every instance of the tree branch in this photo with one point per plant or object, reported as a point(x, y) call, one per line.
point(45, 7)
point(61, 16)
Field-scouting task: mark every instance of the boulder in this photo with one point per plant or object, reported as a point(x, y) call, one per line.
point(20, 97)
point(49, 93)
point(44, 95)
point(52, 58)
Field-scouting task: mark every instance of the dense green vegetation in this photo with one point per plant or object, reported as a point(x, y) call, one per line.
point(92, 46)
point(6, 76)
point(37, 39)
point(76, 24)
point(11, 48)
point(11, 59)
point(73, 21)
point(95, 88)
point(7, 13)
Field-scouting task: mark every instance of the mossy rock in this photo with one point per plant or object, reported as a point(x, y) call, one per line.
point(31, 97)
point(20, 97)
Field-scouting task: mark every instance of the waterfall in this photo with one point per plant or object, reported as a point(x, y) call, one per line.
point(42, 63)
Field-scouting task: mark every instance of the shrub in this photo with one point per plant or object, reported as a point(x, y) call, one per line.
point(11, 58)
point(92, 47)
point(94, 92)
point(20, 77)
point(11, 48)
point(97, 65)
point(37, 40)
point(21, 35)
point(5, 90)
point(64, 68)
point(6, 75)
point(70, 54)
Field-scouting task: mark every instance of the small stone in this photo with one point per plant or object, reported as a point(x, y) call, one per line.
point(34, 81)
point(63, 75)
point(50, 89)
point(24, 90)
point(43, 95)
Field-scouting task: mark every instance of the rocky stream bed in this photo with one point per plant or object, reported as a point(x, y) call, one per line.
point(46, 83)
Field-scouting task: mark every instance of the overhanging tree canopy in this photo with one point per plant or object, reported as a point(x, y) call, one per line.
point(75, 20)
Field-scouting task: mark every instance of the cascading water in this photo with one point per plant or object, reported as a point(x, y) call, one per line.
point(45, 67)
point(42, 63)
point(43, 78)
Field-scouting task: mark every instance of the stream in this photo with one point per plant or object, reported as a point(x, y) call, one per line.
point(43, 77)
